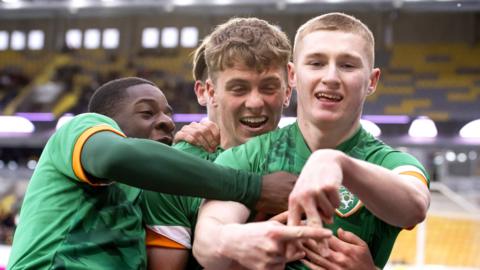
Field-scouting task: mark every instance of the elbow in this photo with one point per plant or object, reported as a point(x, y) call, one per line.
point(204, 256)
point(419, 211)
point(211, 255)
point(417, 217)
point(198, 254)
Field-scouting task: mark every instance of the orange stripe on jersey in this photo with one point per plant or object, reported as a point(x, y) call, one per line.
point(416, 175)
point(77, 150)
point(157, 240)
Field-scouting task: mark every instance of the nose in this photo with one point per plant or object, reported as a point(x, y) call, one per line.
point(254, 101)
point(331, 77)
point(165, 123)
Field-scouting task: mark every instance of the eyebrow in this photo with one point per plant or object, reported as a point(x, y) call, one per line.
point(351, 56)
point(236, 81)
point(152, 102)
point(145, 100)
point(245, 81)
point(343, 55)
point(271, 79)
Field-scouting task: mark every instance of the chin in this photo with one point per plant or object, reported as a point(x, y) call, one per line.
point(324, 119)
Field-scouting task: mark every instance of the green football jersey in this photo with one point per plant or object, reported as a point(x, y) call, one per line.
point(171, 219)
point(172, 216)
point(198, 151)
point(69, 221)
point(285, 150)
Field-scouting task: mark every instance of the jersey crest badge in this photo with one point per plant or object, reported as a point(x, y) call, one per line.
point(349, 203)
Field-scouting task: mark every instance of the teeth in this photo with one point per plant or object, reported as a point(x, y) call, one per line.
point(328, 96)
point(254, 120)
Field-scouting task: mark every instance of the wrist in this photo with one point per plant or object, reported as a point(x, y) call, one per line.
point(346, 164)
point(225, 235)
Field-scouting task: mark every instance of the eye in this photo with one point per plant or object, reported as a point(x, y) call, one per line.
point(315, 63)
point(146, 114)
point(270, 88)
point(238, 90)
point(347, 65)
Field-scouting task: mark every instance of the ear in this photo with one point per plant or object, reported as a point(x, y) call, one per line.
point(373, 81)
point(288, 96)
point(211, 92)
point(291, 75)
point(200, 92)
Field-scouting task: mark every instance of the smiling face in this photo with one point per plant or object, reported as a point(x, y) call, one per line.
point(333, 77)
point(145, 113)
point(248, 102)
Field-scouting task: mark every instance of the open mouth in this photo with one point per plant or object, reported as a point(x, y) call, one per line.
point(254, 122)
point(328, 97)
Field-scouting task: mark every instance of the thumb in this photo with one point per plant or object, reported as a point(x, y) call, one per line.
point(350, 237)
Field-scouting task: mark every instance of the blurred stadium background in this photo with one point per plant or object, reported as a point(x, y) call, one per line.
point(54, 53)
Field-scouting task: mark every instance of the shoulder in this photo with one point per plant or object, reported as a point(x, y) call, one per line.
point(197, 151)
point(94, 119)
point(82, 122)
point(264, 141)
point(85, 125)
point(190, 148)
point(251, 155)
point(379, 153)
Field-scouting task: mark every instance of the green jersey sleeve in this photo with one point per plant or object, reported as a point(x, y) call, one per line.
point(405, 164)
point(154, 166)
point(66, 144)
point(170, 219)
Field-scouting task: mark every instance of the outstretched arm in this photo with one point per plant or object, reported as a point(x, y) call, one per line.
point(154, 166)
point(400, 199)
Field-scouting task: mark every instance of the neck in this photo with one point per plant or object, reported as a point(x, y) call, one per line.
point(226, 141)
point(211, 116)
point(326, 135)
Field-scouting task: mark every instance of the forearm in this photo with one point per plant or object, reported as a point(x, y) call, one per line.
point(151, 165)
point(211, 244)
point(205, 245)
point(397, 199)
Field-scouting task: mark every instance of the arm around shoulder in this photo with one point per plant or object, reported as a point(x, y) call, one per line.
point(154, 166)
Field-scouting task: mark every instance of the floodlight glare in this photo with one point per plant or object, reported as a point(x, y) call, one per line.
point(371, 127)
point(450, 156)
point(285, 121)
point(471, 130)
point(16, 124)
point(423, 127)
point(63, 120)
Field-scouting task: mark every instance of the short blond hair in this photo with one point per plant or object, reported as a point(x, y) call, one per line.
point(249, 41)
point(337, 22)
